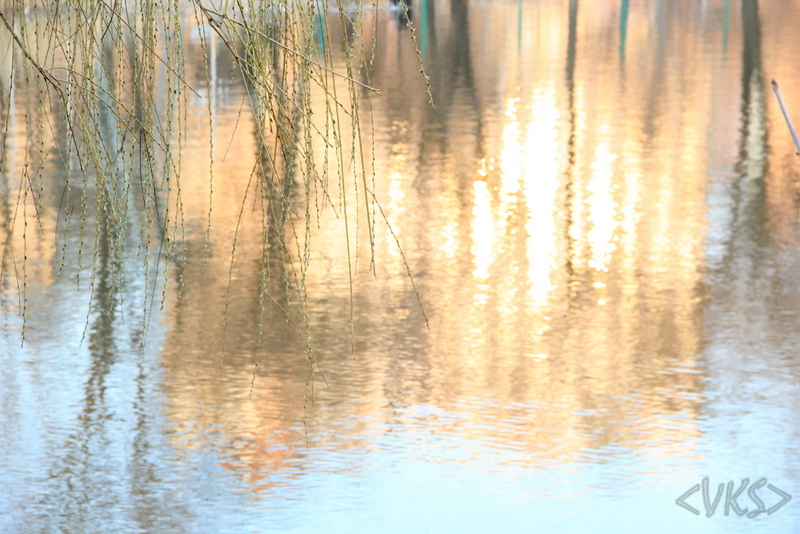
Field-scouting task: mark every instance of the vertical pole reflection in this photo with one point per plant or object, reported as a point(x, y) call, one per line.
point(726, 19)
point(623, 30)
point(753, 142)
point(7, 123)
point(571, 143)
point(423, 26)
point(460, 64)
point(571, 47)
point(519, 27)
point(742, 234)
point(319, 27)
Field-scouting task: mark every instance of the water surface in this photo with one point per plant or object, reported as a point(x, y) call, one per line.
point(601, 217)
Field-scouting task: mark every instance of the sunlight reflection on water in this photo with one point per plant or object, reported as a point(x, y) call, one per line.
point(604, 238)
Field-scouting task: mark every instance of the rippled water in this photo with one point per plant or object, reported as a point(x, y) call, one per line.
point(601, 216)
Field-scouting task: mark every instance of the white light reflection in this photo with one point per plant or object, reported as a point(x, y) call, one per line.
point(602, 208)
point(482, 230)
point(541, 189)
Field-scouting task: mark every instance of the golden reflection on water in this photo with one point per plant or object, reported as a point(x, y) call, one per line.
point(556, 209)
point(557, 243)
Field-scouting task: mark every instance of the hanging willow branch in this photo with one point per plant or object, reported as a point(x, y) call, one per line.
point(93, 100)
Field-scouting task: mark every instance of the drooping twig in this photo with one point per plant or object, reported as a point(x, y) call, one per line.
point(786, 115)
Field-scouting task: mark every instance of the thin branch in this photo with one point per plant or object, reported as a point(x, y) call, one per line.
point(786, 115)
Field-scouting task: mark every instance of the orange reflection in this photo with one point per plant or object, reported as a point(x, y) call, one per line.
point(556, 208)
